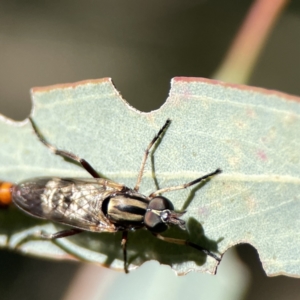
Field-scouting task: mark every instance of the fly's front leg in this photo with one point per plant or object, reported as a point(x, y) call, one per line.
point(124, 247)
point(187, 243)
point(65, 154)
point(158, 135)
point(184, 186)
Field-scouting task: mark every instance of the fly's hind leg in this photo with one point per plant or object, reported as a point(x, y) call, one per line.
point(65, 154)
point(59, 234)
point(41, 235)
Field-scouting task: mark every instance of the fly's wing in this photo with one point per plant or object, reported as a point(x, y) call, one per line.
point(74, 202)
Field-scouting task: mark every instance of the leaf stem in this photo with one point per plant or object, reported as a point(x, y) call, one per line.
point(244, 52)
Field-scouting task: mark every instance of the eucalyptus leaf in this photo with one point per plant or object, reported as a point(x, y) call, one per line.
point(251, 134)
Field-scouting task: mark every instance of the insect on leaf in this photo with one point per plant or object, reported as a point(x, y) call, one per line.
point(251, 134)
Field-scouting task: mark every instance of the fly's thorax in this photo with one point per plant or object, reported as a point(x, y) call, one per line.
point(127, 210)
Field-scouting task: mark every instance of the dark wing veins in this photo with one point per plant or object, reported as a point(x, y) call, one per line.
point(75, 202)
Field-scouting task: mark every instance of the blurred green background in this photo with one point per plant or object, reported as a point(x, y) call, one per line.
point(141, 45)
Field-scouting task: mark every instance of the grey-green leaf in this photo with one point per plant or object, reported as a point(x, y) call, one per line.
point(251, 134)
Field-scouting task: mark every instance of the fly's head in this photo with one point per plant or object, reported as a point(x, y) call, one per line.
point(160, 214)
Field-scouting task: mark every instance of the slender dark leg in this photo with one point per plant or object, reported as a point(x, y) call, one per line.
point(184, 186)
point(137, 186)
point(65, 154)
point(59, 234)
point(187, 243)
point(124, 246)
point(45, 236)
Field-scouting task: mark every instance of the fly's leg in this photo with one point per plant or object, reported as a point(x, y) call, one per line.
point(59, 234)
point(187, 243)
point(40, 235)
point(158, 135)
point(124, 247)
point(54, 238)
point(184, 186)
point(65, 154)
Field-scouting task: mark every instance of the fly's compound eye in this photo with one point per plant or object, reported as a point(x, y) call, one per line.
point(160, 203)
point(156, 217)
point(154, 222)
point(160, 213)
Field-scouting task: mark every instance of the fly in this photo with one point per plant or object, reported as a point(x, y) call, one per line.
point(98, 204)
